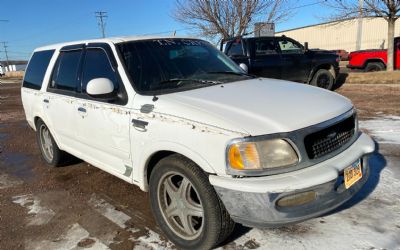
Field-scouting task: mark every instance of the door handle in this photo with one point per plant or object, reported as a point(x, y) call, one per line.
point(83, 110)
point(139, 123)
point(46, 100)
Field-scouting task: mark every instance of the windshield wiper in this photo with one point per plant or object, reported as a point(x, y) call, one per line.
point(180, 80)
point(231, 73)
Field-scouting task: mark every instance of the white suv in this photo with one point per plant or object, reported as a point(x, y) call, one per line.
point(211, 144)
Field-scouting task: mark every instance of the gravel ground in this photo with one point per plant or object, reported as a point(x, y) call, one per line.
point(79, 206)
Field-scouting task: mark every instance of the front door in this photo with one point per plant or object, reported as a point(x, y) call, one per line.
point(103, 124)
point(267, 60)
point(295, 62)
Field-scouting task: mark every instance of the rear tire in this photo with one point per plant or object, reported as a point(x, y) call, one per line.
point(186, 206)
point(50, 152)
point(374, 66)
point(323, 78)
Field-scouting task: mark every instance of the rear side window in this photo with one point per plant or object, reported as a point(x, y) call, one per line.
point(65, 72)
point(37, 69)
point(265, 47)
point(97, 65)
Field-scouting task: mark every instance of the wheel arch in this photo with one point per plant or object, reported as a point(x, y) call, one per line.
point(36, 118)
point(151, 160)
point(373, 60)
point(326, 66)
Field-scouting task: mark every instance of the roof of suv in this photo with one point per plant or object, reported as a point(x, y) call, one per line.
point(107, 40)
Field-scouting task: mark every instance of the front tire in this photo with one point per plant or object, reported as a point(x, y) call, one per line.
point(323, 78)
point(186, 206)
point(50, 152)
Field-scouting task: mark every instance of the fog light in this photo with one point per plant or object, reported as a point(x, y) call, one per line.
point(297, 199)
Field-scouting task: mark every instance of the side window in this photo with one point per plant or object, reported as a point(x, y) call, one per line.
point(97, 65)
point(37, 68)
point(289, 47)
point(235, 48)
point(65, 72)
point(265, 47)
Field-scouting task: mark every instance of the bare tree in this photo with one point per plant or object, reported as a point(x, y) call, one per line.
point(229, 18)
point(387, 9)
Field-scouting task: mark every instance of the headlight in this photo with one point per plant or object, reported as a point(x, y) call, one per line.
point(261, 155)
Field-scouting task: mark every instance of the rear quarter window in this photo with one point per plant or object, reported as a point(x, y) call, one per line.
point(37, 68)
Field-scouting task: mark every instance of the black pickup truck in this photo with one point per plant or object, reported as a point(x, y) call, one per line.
point(283, 58)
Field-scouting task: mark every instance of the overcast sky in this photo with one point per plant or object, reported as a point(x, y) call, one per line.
point(35, 23)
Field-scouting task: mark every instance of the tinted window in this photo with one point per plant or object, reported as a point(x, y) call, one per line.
point(65, 73)
point(37, 69)
point(289, 47)
point(97, 65)
point(235, 49)
point(265, 47)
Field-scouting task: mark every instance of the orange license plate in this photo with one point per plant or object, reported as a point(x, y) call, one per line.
point(352, 174)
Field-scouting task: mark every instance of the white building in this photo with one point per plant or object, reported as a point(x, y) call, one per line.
point(343, 34)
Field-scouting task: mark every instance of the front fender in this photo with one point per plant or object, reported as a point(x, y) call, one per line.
point(157, 146)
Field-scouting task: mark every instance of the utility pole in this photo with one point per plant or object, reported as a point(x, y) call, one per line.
point(6, 52)
point(360, 24)
point(4, 43)
point(101, 16)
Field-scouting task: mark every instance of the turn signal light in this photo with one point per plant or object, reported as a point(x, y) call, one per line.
point(297, 199)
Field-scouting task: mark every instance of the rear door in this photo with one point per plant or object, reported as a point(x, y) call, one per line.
point(266, 60)
point(60, 98)
point(295, 62)
point(102, 125)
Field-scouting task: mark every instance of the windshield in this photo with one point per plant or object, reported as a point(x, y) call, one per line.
point(170, 65)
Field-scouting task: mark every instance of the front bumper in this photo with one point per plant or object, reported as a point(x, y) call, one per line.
point(253, 201)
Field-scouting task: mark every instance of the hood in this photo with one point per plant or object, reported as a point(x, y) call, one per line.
point(256, 106)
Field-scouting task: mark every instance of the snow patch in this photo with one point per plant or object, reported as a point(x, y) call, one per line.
point(385, 129)
point(7, 182)
point(68, 240)
point(151, 240)
point(109, 211)
point(41, 215)
point(372, 223)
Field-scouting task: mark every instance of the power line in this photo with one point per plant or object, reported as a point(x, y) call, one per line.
point(307, 5)
point(101, 16)
point(16, 52)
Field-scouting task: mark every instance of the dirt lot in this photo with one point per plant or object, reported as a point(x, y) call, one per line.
point(79, 206)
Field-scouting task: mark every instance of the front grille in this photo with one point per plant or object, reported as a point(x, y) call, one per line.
point(329, 139)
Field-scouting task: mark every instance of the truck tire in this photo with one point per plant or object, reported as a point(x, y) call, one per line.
point(323, 78)
point(186, 206)
point(50, 152)
point(374, 66)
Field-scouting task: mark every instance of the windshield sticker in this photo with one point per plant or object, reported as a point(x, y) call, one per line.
point(187, 42)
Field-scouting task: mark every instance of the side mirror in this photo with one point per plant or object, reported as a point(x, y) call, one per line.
point(244, 67)
point(306, 46)
point(100, 88)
